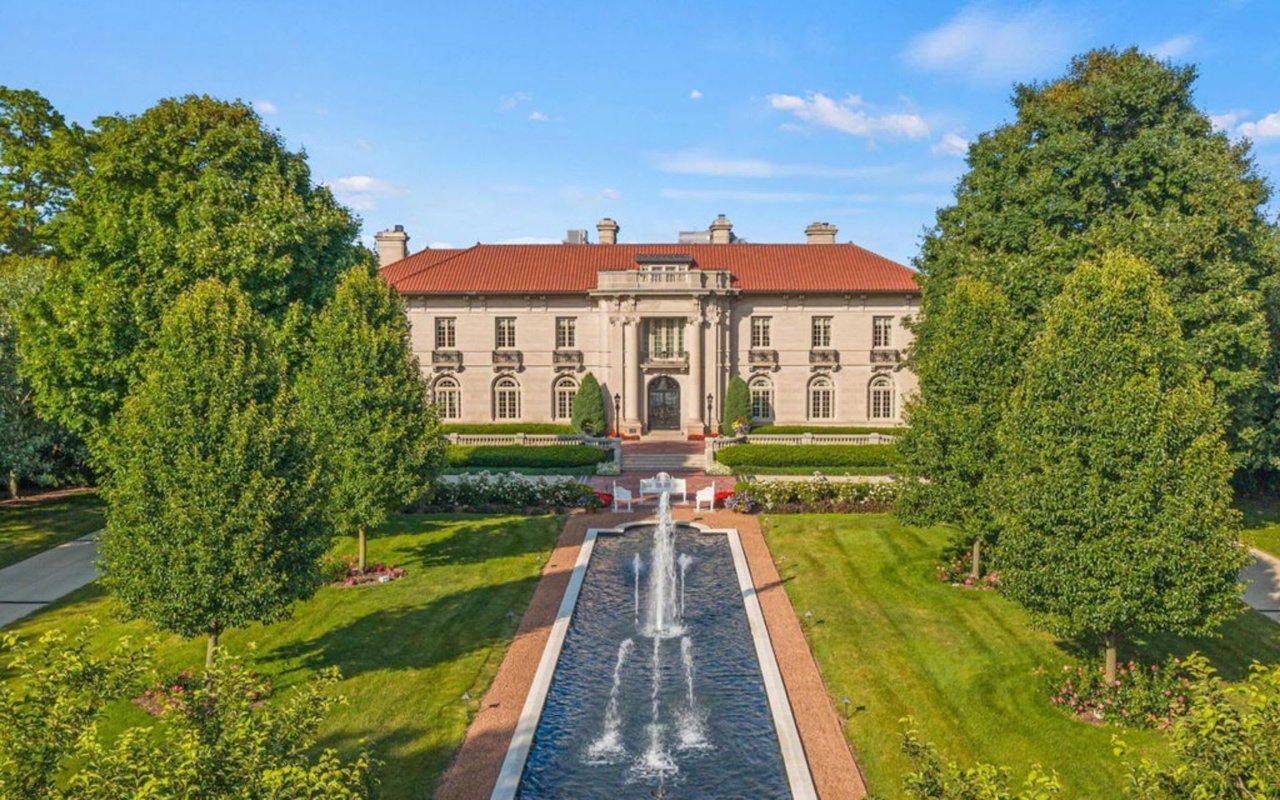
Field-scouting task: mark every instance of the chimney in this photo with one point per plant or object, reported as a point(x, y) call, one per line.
point(576, 236)
point(721, 230)
point(608, 231)
point(393, 245)
point(820, 233)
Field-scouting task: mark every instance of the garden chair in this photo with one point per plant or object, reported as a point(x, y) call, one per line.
point(706, 494)
point(621, 495)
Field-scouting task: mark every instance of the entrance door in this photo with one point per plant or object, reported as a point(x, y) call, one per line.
point(664, 404)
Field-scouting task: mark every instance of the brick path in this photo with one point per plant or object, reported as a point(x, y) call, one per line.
point(477, 764)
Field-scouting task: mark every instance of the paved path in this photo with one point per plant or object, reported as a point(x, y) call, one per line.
point(31, 584)
point(1262, 584)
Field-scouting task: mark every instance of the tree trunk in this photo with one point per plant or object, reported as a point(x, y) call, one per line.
point(1110, 672)
point(13, 485)
point(977, 559)
point(363, 549)
point(211, 647)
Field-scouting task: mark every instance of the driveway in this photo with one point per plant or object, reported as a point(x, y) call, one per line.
point(30, 585)
point(1262, 584)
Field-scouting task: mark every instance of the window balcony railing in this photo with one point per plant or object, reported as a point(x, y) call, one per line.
point(507, 359)
point(685, 280)
point(885, 356)
point(446, 359)
point(824, 357)
point(762, 358)
point(664, 360)
point(567, 358)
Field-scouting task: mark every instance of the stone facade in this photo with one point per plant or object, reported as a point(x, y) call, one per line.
point(663, 338)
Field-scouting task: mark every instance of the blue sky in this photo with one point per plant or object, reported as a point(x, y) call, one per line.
point(499, 122)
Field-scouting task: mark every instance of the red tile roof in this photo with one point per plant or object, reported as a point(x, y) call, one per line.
point(572, 268)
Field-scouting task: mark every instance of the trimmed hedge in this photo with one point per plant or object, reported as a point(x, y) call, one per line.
point(809, 455)
point(493, 428)
point(795, 430)
point(499, 456)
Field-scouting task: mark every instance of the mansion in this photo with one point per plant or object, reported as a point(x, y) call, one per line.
point(504, 333)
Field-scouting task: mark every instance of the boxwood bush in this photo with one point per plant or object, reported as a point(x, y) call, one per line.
point(501, 456)
point(795, 430)
point(809, 455)
point(495, 428)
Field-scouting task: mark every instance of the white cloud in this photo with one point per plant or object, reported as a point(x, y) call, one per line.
point(951, 144)
point(512, 101)
point(538, 116)
point(695, 95)
point(848, 116)
point(1175, 47)
point(743, 196)
point(441, 246)
point(980, 43)
point(696, 163)
point(610, 194)
point(1224, 122)
point(362, 192)
point(264, 107)
point(529, 240)
point(1266, 128)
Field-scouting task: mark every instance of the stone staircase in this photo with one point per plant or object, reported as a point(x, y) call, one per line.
point(666, 456)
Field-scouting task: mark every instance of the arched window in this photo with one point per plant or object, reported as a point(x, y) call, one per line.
point(506, 398)
point(822, 398)
point(447, 396)
point(761, 398)
point(562, 394)
point(881, 399)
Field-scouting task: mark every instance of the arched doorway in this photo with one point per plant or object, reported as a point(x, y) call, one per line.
point(664, 404)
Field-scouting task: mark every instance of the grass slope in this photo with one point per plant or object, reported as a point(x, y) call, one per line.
point(28, 527)
point(898, 643)
point(1262, 524)
point(408, 651)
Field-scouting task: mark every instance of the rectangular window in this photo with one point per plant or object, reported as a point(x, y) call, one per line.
point(446, 338)
point(564, 401)
point(761, 402)
point(820, 402)
point(664, 338)
point(760, 332)
point(882, 331)
point(566, 333)
point(821, 332)
point(506, 333)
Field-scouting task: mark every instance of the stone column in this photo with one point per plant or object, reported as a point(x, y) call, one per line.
point(695, 406)
point(631, 375)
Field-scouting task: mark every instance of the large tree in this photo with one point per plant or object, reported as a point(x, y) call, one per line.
point(362, 398)
point(213, 503)
point(190, 189)
point(1115, 509)
point(38, 154)
point(967, 362)
point(1116, 153)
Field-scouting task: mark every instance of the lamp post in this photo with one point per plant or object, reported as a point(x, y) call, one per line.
point(617, 413)
point(710, 399)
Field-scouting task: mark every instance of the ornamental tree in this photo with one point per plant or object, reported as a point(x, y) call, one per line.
point(363, 401)
point(38, 154)
point(737, 405)
point(213, 503)
point(1114, 506)
point(966, 361)
point(192, 188)
point(588, 407)
point(1115, 153)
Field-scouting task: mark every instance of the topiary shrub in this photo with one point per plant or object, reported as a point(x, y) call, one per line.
point(505, 456)
point(809, 455)
point(588, 407)
point(737, 406)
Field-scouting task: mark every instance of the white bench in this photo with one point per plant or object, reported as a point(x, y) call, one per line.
point(621, 495)
point(706, 494)
point(663, 482)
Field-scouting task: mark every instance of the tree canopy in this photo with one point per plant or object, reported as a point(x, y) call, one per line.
point(1116, 153)
point(213, 504)
point(192, 188)
point(38, 154)
point(362, 398)
point(1114, 503)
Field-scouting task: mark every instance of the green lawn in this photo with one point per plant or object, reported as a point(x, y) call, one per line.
point(748, 472)
point(898, 643)
point(1262, 524)
point(29, 528)
point(408, 651)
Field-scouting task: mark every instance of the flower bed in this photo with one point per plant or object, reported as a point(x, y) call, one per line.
point(818, 495)
point(958, 571)
point(176, 692)
point(498, 493)
point(345, 571)
point(1146, 696)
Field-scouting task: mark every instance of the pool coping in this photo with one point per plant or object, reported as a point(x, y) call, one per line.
point(474, 768)
point(795, 763)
